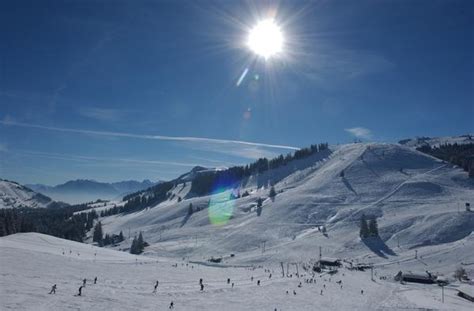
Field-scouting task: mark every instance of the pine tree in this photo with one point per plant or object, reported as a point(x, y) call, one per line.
point(272, 193)
point(373, 227)
point(134, 247)
point(98, 234)
point(121, 238)
point(364, 228)
point(140, 242)
point(138, 245)
point(107, 239)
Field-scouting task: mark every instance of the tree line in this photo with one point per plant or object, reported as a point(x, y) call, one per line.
point(204, 183)
point(461, 155)
point(107, 239)
point(61, 222)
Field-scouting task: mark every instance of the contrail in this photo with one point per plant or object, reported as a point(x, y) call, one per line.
point(62, 156)
point(153, 137)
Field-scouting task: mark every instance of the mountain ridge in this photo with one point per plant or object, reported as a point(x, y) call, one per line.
point(85, 190)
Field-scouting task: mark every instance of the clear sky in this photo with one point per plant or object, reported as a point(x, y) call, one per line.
point(114, 90)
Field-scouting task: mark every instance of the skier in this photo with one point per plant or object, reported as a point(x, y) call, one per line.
point(232, 285)
point(84, 282)
point(202, 287)
point(200, 281)
point(156, 286)
point(251, 279)
point(53, 289)
point(361, 291)
point(95, 280)
point(270, 276)
point(258, 282)
point(172, 305)
point(294, 292)
point(321, 292)
point(228, 281)
point(80, 291)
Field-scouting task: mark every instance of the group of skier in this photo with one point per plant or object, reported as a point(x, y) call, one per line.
point(201, 284)
point(79, 293)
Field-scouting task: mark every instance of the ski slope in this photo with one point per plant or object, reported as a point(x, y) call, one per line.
point(417, 199)
point(31, 263)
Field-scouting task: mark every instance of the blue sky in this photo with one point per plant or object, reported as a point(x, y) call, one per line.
point(113, 90)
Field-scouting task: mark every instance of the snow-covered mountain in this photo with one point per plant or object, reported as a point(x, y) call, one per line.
point(14, 195)
point(417, 200)
point(84, 190)
point(436, 141)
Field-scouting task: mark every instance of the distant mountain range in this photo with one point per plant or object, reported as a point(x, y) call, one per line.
point(85, 190)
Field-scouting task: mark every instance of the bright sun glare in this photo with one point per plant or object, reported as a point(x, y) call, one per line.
point(266, 39)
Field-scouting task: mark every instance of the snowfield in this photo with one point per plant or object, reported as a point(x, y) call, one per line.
point(418, 201)
point(31, 263)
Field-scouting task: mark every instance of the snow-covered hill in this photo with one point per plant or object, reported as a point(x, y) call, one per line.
point(14, 195)
point(436, 141)
point(418, 202)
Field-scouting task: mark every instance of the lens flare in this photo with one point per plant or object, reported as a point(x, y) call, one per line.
point(221, 207)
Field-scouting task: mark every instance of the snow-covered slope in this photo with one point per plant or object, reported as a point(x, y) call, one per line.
point(14, 195)
point(436, 141)
point(417, 199)
point(31, 263)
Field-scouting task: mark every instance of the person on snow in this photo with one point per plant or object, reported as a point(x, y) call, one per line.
point(156, 286)
point(80, 291)
point(200, 281)
point(53, 289)
point(202, 287)
point(258, 282)
point(95, 280)
point(232, 285)
point(361, 291)
point(172, 305)
point(84, 282)
point(228, 281)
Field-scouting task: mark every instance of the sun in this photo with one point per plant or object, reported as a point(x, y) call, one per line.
point(266, 39)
